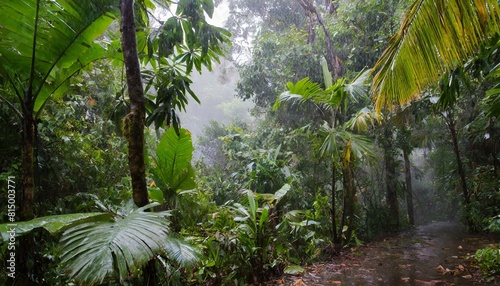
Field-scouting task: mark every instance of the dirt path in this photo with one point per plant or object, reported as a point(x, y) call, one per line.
point(433, 254)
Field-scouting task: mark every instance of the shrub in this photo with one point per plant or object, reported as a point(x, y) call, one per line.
point(488, 260)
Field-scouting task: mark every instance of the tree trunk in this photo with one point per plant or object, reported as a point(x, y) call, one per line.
point(409, 191)
point(133, 123)
point(28, 146)
point(349, 201)
point(336, 238)
point(391, 181)
point(450, 122)
point(333, 61)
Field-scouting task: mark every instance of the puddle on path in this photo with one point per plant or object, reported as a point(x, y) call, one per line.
point(432, 254)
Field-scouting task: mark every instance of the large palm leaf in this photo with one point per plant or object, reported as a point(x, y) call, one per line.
point(435, 36)
point(43, 43)
point(92, 251)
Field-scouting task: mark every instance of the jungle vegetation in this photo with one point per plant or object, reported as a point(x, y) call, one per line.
point(370, 117)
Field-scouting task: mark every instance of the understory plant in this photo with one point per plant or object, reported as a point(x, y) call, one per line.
point(111, 247)
point(488, 260)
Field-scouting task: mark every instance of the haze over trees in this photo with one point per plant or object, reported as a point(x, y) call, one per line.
point(329, 124)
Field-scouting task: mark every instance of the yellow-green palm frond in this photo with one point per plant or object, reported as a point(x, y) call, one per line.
point(435, 36)
point(363, 119)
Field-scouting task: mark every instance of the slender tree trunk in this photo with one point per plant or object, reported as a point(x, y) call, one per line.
point(28, 146)
point(349, 200)
point(26, 243)
point(336, 238)
point(450, 122)
point(333, 61)
point(390, 180)
point(133, 123)
point(409, 191)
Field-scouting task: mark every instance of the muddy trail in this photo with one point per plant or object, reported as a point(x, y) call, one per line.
point(433, 254)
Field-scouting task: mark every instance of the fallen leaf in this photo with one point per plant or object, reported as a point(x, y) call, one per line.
point(422, 282)
point(440, 269)
point(299, 282)
point(467, 276)
point(405, 279)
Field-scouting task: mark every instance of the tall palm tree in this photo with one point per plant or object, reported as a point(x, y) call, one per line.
point(339, 144)
point(435, 37)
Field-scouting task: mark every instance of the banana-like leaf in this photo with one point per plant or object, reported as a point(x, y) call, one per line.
point(92, 251)
point(43, 43)
point(435, 37)
point(173, 170)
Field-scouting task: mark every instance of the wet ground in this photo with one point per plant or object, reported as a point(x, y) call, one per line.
point(432, 254)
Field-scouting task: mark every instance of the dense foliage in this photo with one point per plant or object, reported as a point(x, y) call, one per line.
point(321, 168)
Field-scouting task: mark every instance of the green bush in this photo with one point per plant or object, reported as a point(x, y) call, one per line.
point(488, 260)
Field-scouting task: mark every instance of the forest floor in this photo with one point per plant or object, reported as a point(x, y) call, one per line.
point(434, 254)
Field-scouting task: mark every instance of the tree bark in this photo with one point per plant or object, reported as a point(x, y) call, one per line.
point(336, 238)
point(450, 122)
point(133, 122)
point(334, 62)
point(391, 181)
point(349, 201)
point(28, 146)
point(409, 190)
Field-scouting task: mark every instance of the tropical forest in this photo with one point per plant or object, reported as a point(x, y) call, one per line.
point(250, 142)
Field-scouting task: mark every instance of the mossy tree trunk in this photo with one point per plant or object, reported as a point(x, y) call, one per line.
point(133, 123)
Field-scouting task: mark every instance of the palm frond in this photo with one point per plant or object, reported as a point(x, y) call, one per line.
point(181, 252)
point(92, 251)
point(359, 87)
point(302, 91)
point(492, 98)
point(434, 38)
point(53, 224)
point(363, 119)
point(331, 145)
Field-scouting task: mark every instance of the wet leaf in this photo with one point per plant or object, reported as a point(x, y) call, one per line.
point(299, 282)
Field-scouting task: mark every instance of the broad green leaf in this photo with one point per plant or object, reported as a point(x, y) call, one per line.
point(264, 217)
point(43, 43)
point(155, 194)
point(282, 192)
point(294, 270)
point(173, 169)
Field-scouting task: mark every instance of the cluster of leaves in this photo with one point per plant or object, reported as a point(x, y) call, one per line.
point(488, 260)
